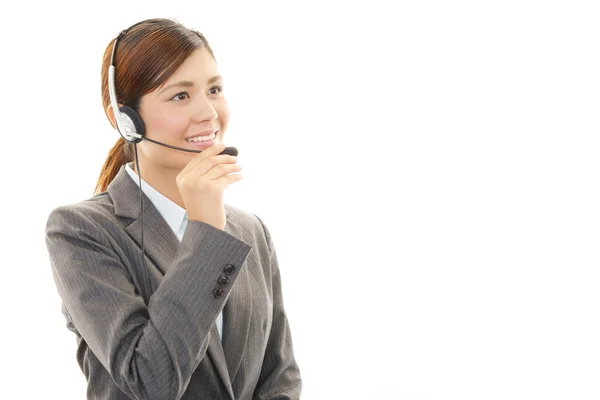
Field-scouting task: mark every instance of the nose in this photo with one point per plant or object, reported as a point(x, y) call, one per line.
point(205, 111)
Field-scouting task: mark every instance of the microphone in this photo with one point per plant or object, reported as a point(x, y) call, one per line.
point(232, 151)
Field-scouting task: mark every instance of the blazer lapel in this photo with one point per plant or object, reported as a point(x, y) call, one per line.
point(237, 311)
point(160, 243)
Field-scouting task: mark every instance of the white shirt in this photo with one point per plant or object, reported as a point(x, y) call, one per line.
point(175, 216)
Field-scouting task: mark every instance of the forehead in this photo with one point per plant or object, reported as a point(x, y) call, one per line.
point(199, 66)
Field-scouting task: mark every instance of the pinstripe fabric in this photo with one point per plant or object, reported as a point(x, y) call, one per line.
point(161, 342)
point(174, 216)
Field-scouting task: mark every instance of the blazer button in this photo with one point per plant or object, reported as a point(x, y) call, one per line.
point(223, 281)
point(229, 269)
point(218, 293)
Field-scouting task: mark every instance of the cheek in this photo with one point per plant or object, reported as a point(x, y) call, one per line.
point(222, 110)
point(165, 124)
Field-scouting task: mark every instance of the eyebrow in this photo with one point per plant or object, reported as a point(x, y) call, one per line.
point(187, 84)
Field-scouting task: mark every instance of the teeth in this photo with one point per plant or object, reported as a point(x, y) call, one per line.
point(201, 138)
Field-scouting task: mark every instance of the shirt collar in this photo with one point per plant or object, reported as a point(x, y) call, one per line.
point(171, 212)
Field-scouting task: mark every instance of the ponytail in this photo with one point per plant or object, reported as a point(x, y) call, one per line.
point(119, 155)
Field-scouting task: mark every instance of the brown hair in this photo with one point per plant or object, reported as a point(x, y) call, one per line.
point(147, 55)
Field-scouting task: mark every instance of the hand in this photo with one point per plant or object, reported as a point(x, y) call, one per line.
point(202, 182)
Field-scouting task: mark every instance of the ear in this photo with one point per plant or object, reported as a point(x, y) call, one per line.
point(111, 115)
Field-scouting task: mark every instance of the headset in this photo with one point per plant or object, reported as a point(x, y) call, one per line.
point(131, 126)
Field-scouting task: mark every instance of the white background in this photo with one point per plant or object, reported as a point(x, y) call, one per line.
point(428, 170)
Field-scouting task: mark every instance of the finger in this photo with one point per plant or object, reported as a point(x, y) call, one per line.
point(213, 150)
point(210, 163)
point(220, 170)
point(229, 179)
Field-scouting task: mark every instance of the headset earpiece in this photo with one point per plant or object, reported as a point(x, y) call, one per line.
point(131, 124)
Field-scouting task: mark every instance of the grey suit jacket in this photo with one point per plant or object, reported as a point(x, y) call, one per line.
point(161, 342)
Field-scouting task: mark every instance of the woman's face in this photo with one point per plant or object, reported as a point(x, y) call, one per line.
point(188, 108)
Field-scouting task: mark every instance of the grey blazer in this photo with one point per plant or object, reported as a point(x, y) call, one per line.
point(161, 342)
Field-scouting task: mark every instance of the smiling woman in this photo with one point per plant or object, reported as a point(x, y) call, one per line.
point(198, 313)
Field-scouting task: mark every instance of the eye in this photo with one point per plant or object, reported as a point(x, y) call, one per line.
point(216, 89)
point(181, 96)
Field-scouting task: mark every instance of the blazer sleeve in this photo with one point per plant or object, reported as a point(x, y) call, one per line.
point(150, 351)
point(280, 376)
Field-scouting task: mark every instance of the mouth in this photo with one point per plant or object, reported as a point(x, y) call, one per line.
point(202, 138)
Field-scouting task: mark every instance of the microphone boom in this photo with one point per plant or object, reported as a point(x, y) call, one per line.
point(232, 151)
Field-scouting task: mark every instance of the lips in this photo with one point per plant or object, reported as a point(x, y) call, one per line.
point(202, 137)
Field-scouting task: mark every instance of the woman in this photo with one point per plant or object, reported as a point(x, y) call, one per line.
point(176, 296)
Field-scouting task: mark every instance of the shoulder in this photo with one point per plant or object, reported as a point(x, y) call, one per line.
point(250, 224)
point(95, 211)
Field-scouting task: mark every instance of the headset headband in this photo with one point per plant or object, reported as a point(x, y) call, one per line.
point(129, 123)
